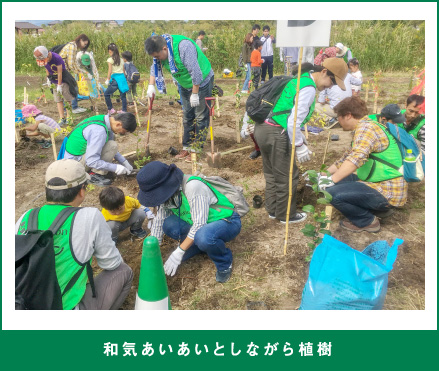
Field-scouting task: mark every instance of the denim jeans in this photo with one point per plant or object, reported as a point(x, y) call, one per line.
point(210, 238)
point(355, 200)
point(75, 102)
point(112, 87)
point(247, 77)
point(200, 113)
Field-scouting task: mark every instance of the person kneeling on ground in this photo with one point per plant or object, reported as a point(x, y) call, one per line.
point(377, 187)
point(247, 130)
point(122, 211)
point(390, 113)
point(84, 235)
point(39, 125)
point(92, 143)
point(192, 212)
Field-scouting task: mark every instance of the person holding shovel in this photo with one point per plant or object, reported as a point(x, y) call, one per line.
point(274, 135)
point(191, 211)
point(93, 144)
point(192, 70)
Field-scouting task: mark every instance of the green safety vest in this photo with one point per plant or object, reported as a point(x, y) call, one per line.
point(76, 144)
point(66, 265)
point(415, 129)
point(375, 168)
point(285, 104)
point(221, 210)
point(183, 76)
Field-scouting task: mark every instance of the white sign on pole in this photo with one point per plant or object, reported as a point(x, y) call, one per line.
point(303, 33)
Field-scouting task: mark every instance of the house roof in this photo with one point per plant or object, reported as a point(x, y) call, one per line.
point(54, 22)
point(25, 25)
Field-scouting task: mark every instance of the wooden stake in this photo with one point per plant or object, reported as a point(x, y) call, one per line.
point(238, 134)
point(326, 148)
point(235, 150)
point(25, 101)
point(143, 91)
point(217, 106)
point(52, 138)
point(328, 212)
point(367, 93)
point(129, 153)
point(293, 148)
point(17, 137)
point(375, 102)
point(194, 162)
point(306, 131)
point(137, 112)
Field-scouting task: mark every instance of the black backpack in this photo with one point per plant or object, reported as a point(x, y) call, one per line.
point(36, 284)
point(57, 49)
point(261, 101)
point(133, 75)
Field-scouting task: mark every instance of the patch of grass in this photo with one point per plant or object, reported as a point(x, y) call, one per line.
point(417, 205)
point(404, 298)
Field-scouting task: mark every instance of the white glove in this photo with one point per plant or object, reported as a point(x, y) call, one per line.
point(89, 76)
point(151, 91)
point(195, 100)
point(127, 165)
point(122, 170)
point(150, 216)
point(250, 129)
point(246, 67)
point(325, 182)
point(48, 82)
point(59, 89)
point(107, 82)
point(174, 261)
point(303, 153)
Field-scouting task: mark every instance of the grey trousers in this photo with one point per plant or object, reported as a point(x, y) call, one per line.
point(135, 221)
point(275, 148)
point(112, 288)
point(109, 150)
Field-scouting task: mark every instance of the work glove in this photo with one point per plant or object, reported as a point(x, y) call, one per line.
point(48, 82)
point(127, 165)
point(107, 82)
point(151, 91)
point(89, 76)
point(303, 153)
point(250, 129)
point(174, 261)
point(122, 170)
point(325, 182)
point(195, 100)
point(59, 89)
point(150, 216)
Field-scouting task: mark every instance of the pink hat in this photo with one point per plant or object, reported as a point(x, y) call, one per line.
point(30, 110)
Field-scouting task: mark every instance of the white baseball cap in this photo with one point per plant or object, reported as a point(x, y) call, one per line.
point(339, 45)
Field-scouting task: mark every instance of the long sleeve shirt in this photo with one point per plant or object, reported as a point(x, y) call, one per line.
point(267, 46)
point(96, 137)
point(199, 196)
point(188, 56)
point(68, 53)
point(369, 138)
point(255, 58)
point(335, 95)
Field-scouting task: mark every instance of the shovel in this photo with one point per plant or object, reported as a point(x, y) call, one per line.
point(150, 101)
point(213, 158)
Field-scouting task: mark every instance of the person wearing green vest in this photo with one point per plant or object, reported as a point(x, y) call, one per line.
point(191, 211)
point(376, 188)
point(275, 135)
point(188, 65)
point(390, 113)
point(83, 235)
point(343, 52)
point(415, 118)
point(92, 142)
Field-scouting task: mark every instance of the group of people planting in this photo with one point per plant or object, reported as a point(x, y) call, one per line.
point(202, 219)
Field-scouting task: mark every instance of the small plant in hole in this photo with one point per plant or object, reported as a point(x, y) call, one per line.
point(141, 158)
point(317, 229)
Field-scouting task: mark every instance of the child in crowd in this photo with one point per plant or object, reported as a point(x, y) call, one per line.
point(115, 80)
point(354, 66)
point(256, 63)
point(39, 125)
point(122, 211)
point(130, 69)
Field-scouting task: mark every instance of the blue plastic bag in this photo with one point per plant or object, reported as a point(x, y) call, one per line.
point(343, 278)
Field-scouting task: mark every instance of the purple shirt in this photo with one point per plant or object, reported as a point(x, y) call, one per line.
point(48, 121)
point(52, 67)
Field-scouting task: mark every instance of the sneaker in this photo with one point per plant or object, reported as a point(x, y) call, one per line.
point(254, 155)
point(79, 110)
point(46, 144)
point(99, 180)
point(62, 122)
point(383, 214)
point(39, 141)
point(297, 218)
point(111, 111)
point(121, 111)
point(138, 233)
point(372, 227)
point(182, 155)
point(271, 216)
point(223, 276)
point(261, 83)
point(244, 91)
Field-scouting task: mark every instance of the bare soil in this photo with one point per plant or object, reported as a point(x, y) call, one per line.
point(263, 278)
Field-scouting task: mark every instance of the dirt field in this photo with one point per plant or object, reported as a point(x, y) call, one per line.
point(261, 272)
